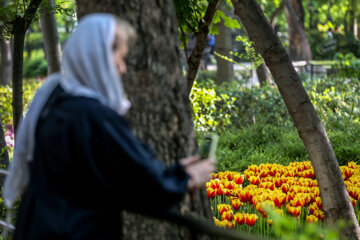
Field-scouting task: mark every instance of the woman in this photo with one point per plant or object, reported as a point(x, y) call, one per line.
point(77, 155)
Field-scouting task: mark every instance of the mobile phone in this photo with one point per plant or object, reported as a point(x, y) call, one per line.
point(208, 146)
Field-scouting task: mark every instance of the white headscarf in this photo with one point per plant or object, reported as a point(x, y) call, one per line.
point(89, 71)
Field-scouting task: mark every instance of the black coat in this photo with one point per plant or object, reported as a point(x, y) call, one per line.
point(88, 166)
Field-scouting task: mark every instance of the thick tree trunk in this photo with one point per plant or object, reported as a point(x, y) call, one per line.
point(21, 24)
point(299, 48)
point(201, 37)
point(335, 199)
point(6, 61)
point(19, 39)
point(223, 46)
point(160, 112)
point(51, 38)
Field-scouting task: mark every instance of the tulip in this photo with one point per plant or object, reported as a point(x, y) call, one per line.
point(219, 191)
point(318, 202)
point(229, 185)
point(352, 165)
point(251, 219)
point(277, 181)
point(238, 179)
point(229, 175)
point(353, 201)
point(294, 211)
point(311, 219)
point(270, 222)
point(239, 218)
point(296, 202)
point(227, 215)
point(279, 199)
point(285, 188)
point(319, 214)
point(254, 168)
point(236, 204)
point(313, 207)
point(264, 173)
point(223, 208)
point(245, 195)
point(227, 192)
point(215, 183)
point(267, 185)
point(211, 192)
point(254, 180)
point(218, 222)
point(228, 224)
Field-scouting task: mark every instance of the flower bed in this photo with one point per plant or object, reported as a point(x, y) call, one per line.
point(287, 190)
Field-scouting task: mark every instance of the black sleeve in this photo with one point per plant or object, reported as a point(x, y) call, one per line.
point(129, 170)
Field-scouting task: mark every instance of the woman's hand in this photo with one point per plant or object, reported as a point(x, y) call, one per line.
point(199, 171)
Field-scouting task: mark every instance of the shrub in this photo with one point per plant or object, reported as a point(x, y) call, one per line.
point(6, 112)
point(36, 67)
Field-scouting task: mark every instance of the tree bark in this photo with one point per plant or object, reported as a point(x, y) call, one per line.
point(223, 46)
point(335, 199)
point(160, 112)
point(51, 37)
point(262, 74)
point(21, 24)
point(6, 61)
point(299, 48)
point(19, 39)
point(201, 37)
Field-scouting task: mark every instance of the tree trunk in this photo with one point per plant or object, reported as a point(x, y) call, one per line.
point(51, 38)
point(201, 37)
point(223, 46)
point(19, 39)
point(335, 199)
point(160, 112)
point(6, 61)
point(21, 24)
point(299, 48)
point(262, 75)
point(5, 51)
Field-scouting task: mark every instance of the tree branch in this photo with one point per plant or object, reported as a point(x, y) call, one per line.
point(201, 37)
point(276, 13)
point(30, 12)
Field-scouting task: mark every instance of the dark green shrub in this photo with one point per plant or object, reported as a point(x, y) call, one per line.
point(36, 67)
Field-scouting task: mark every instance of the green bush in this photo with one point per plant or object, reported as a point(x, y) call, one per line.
point(255, 127)
point(35, 67)
point(29, 88)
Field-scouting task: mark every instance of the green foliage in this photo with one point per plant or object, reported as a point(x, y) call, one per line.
point(228, 21)
point(256, 127)
point(29, 88)
point(284, 227)
point(347, 65)
point(36, 67)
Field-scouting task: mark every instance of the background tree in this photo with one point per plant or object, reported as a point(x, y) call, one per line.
point(6, 54)
point(299, 48)
point(20, 24)
point(223, 45)
point(335, 199)
point(203, 26)
point(160, 110)
point(50, 35)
